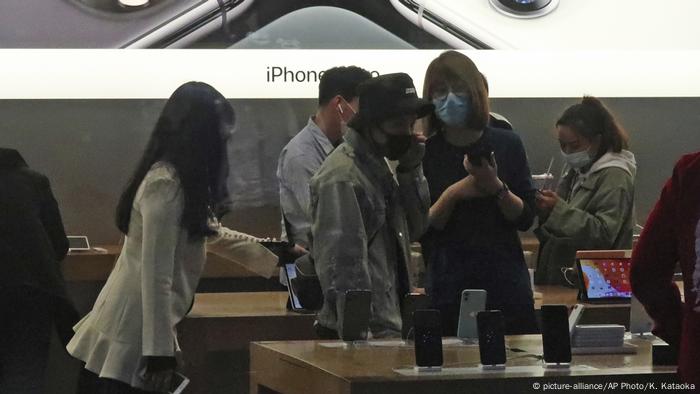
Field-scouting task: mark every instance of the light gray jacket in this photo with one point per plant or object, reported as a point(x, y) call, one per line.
point(363, 223)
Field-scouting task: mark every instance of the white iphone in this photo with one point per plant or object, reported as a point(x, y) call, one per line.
point(554, 24)
point(472, 302)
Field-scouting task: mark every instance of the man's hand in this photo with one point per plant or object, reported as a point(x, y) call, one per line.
point(414, 156)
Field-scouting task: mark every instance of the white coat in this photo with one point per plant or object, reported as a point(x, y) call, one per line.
point(152, 285)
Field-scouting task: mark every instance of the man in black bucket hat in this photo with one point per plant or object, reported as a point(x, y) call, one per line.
point(364, 218)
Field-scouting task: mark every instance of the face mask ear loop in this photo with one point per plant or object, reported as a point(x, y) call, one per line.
point(564, 271)
point(421, 8)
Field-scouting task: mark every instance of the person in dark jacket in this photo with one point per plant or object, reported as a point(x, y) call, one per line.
point(33, 297)
point(478, 205)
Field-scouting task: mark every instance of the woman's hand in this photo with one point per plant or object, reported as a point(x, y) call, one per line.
point(486, 174)
point(546, 200)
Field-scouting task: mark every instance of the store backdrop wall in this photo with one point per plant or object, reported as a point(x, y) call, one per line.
point(88, 148)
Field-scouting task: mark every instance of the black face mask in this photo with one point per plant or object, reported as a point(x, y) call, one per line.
point(395, 146)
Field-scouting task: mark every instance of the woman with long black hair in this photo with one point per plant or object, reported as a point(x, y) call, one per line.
point(128, 341)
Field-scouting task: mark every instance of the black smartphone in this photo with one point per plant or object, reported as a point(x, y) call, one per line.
point(480, 150)
point(428, 337)
point(555, 334)
point(291, 273)
point(282, 249)
point(411, 303)
point(492, 343)
point(178, 383)
point(354, 319)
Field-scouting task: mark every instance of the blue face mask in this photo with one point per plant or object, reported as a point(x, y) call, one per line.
point(577, 160)
point(453, 110)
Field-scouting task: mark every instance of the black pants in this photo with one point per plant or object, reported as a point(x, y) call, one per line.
point(518, 319)
point(25, 334)
point(90, 383)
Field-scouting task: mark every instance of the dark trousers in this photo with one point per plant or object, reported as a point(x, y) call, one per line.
point(90, 383)
point(501, 272)
point(518, 319)
point(25, 334)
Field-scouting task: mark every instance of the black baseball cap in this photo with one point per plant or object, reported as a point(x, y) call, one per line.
point(387, 96)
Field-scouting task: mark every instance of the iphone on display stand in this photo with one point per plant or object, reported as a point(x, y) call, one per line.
point(411, 303)
point(112, 23)
point(556, 340)
point(354, 321)
point(554, 24)
point(492, 345)
point(428, 340)
point(473, 301)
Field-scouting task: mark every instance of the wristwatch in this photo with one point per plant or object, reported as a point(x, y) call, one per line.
point(502, 193)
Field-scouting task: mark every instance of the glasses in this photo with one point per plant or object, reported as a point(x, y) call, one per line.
point(440, 92)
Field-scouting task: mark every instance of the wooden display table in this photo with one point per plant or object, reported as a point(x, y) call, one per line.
point(216, 334)
point(308, 367)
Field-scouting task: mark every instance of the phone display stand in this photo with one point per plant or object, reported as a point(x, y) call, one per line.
point(356, 343)
point(427, 369)
point(493, 367)
point(557, 365)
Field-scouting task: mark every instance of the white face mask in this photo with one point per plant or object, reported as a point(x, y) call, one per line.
point(577, 160)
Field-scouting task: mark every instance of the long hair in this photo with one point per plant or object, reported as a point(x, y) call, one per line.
point(454, 68)
point(591, 118)
point(190, 134)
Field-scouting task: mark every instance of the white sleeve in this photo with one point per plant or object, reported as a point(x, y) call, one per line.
point(161, 206)
point(243, 249)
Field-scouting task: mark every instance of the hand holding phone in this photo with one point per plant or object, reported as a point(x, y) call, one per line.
point(478, 152)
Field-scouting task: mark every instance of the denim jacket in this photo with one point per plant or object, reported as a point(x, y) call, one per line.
point(363, 220)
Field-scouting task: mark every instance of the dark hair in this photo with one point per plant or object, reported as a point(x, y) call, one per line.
point(190, 134)
point(341, 81)
point(591, 118)
point(452, 67)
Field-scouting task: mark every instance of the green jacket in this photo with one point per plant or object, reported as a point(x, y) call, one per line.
point(596, 212)
point(362, 223)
